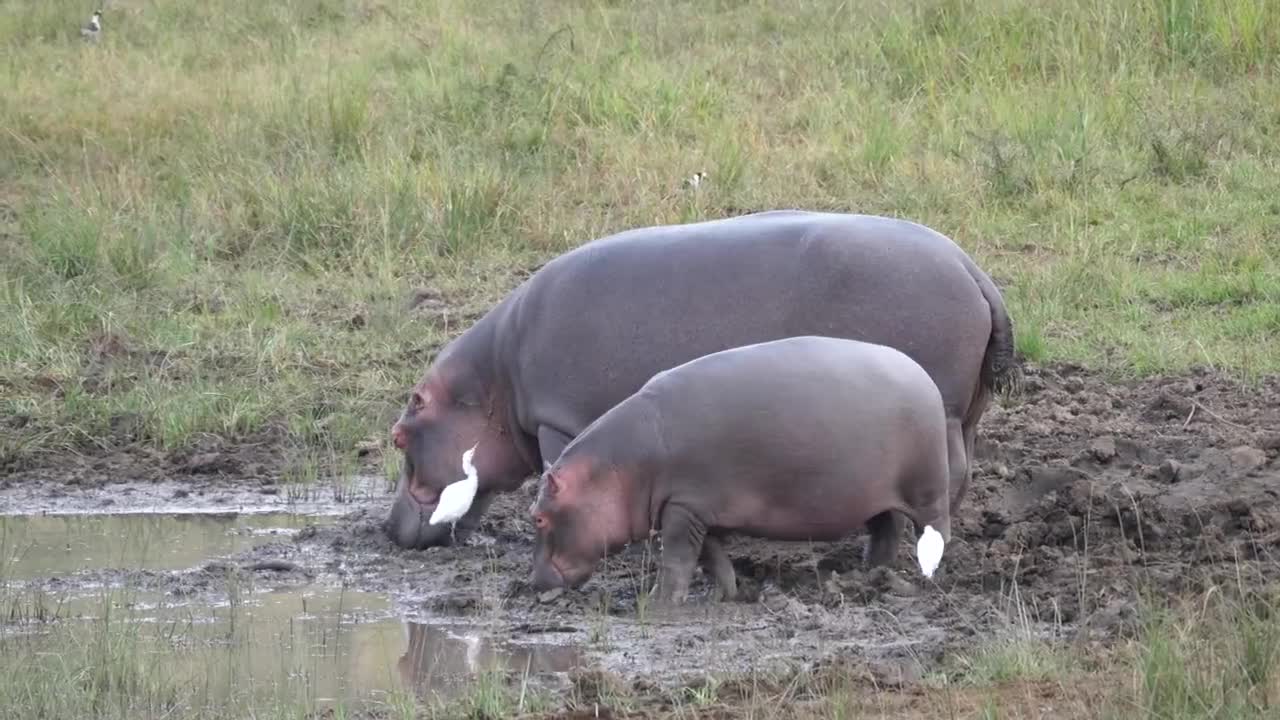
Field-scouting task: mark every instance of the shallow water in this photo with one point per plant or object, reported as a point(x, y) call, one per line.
point(191, 498)
point(304, 642)
point(37, 546)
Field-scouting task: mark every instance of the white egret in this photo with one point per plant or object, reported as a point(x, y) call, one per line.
point(93, 30)
point(456, 498)
point(929, 550)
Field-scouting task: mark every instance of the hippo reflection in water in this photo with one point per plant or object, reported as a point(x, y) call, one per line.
point(434, 659)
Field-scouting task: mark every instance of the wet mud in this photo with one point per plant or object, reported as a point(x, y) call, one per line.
point(1086, 494)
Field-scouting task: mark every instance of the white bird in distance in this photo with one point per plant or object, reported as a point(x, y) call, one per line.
point(93, 30)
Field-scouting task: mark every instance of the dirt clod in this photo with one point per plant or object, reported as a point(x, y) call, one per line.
point(1170, 471)
point(1103, 448)
point(1244, 458)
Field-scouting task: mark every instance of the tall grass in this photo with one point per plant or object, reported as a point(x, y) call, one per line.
point(1221, 659)
point(246, 195)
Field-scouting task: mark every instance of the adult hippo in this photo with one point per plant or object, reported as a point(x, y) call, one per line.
point(596, 323)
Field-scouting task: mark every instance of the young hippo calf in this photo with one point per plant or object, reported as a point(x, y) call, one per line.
point(806, 438)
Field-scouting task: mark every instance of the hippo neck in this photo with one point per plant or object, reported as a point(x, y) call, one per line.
point(470, 355)
point(475, 352)
point(629, 437)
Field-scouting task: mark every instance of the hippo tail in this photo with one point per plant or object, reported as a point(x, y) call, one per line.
point(1001, 373)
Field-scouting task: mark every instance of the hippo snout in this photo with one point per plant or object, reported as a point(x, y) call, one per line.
point(406, 526)
point(545, 577)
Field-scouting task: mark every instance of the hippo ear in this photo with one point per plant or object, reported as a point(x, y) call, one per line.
point(550, 485)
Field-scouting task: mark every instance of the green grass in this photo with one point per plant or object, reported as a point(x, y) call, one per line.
point(238, 199)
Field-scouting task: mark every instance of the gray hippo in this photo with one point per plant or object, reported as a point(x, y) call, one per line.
point(805, 438)
point(596, 323)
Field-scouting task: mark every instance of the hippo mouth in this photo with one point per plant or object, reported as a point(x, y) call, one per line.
point(555, 574)
point(424, 498)
point(546, 576)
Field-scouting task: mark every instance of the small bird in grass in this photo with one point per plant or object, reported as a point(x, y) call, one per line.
point(929, 550)
point(455, 500)
point(93, 31)
point(695, 180)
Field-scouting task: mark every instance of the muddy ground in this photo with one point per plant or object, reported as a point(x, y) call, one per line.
point(1086, 494)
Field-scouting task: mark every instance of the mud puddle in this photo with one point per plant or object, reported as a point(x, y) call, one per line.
point(226, 602)
point(311, 645)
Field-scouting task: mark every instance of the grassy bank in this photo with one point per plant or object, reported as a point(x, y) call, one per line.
point(215, 220)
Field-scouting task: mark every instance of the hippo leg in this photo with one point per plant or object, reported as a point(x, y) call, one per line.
point(962, 439)
point(886, 531)
point(970, 433)
point(683, 535)
point(716, 562)
point(933, 514)
point(959, 450)
point(551, 443)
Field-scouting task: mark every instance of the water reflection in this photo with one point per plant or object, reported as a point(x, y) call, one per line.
point(299, 645)
point(436, 658)
point(238, 644)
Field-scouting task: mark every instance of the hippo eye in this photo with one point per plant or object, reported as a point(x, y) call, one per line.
point(416, 401)
point(540, 521)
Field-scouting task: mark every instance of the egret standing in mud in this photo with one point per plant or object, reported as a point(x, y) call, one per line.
point(929, 550)
point(456, 498)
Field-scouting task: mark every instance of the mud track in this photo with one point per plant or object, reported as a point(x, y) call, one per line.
point(1085, 495)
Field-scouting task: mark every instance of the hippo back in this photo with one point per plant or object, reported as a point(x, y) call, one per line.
point(595, 324)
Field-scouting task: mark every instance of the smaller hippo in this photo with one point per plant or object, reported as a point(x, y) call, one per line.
point(804, 438)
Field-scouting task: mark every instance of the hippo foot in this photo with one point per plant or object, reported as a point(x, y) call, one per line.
point(723, 594)
point(715, 562)
point(667, 600)
point(669, 593)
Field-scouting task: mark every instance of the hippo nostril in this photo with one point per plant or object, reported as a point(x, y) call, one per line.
point(397, 438)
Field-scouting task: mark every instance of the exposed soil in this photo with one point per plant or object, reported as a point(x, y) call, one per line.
point(1086, 494)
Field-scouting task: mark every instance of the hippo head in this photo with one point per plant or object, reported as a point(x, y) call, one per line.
point(579, 517)
point(447, 414)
